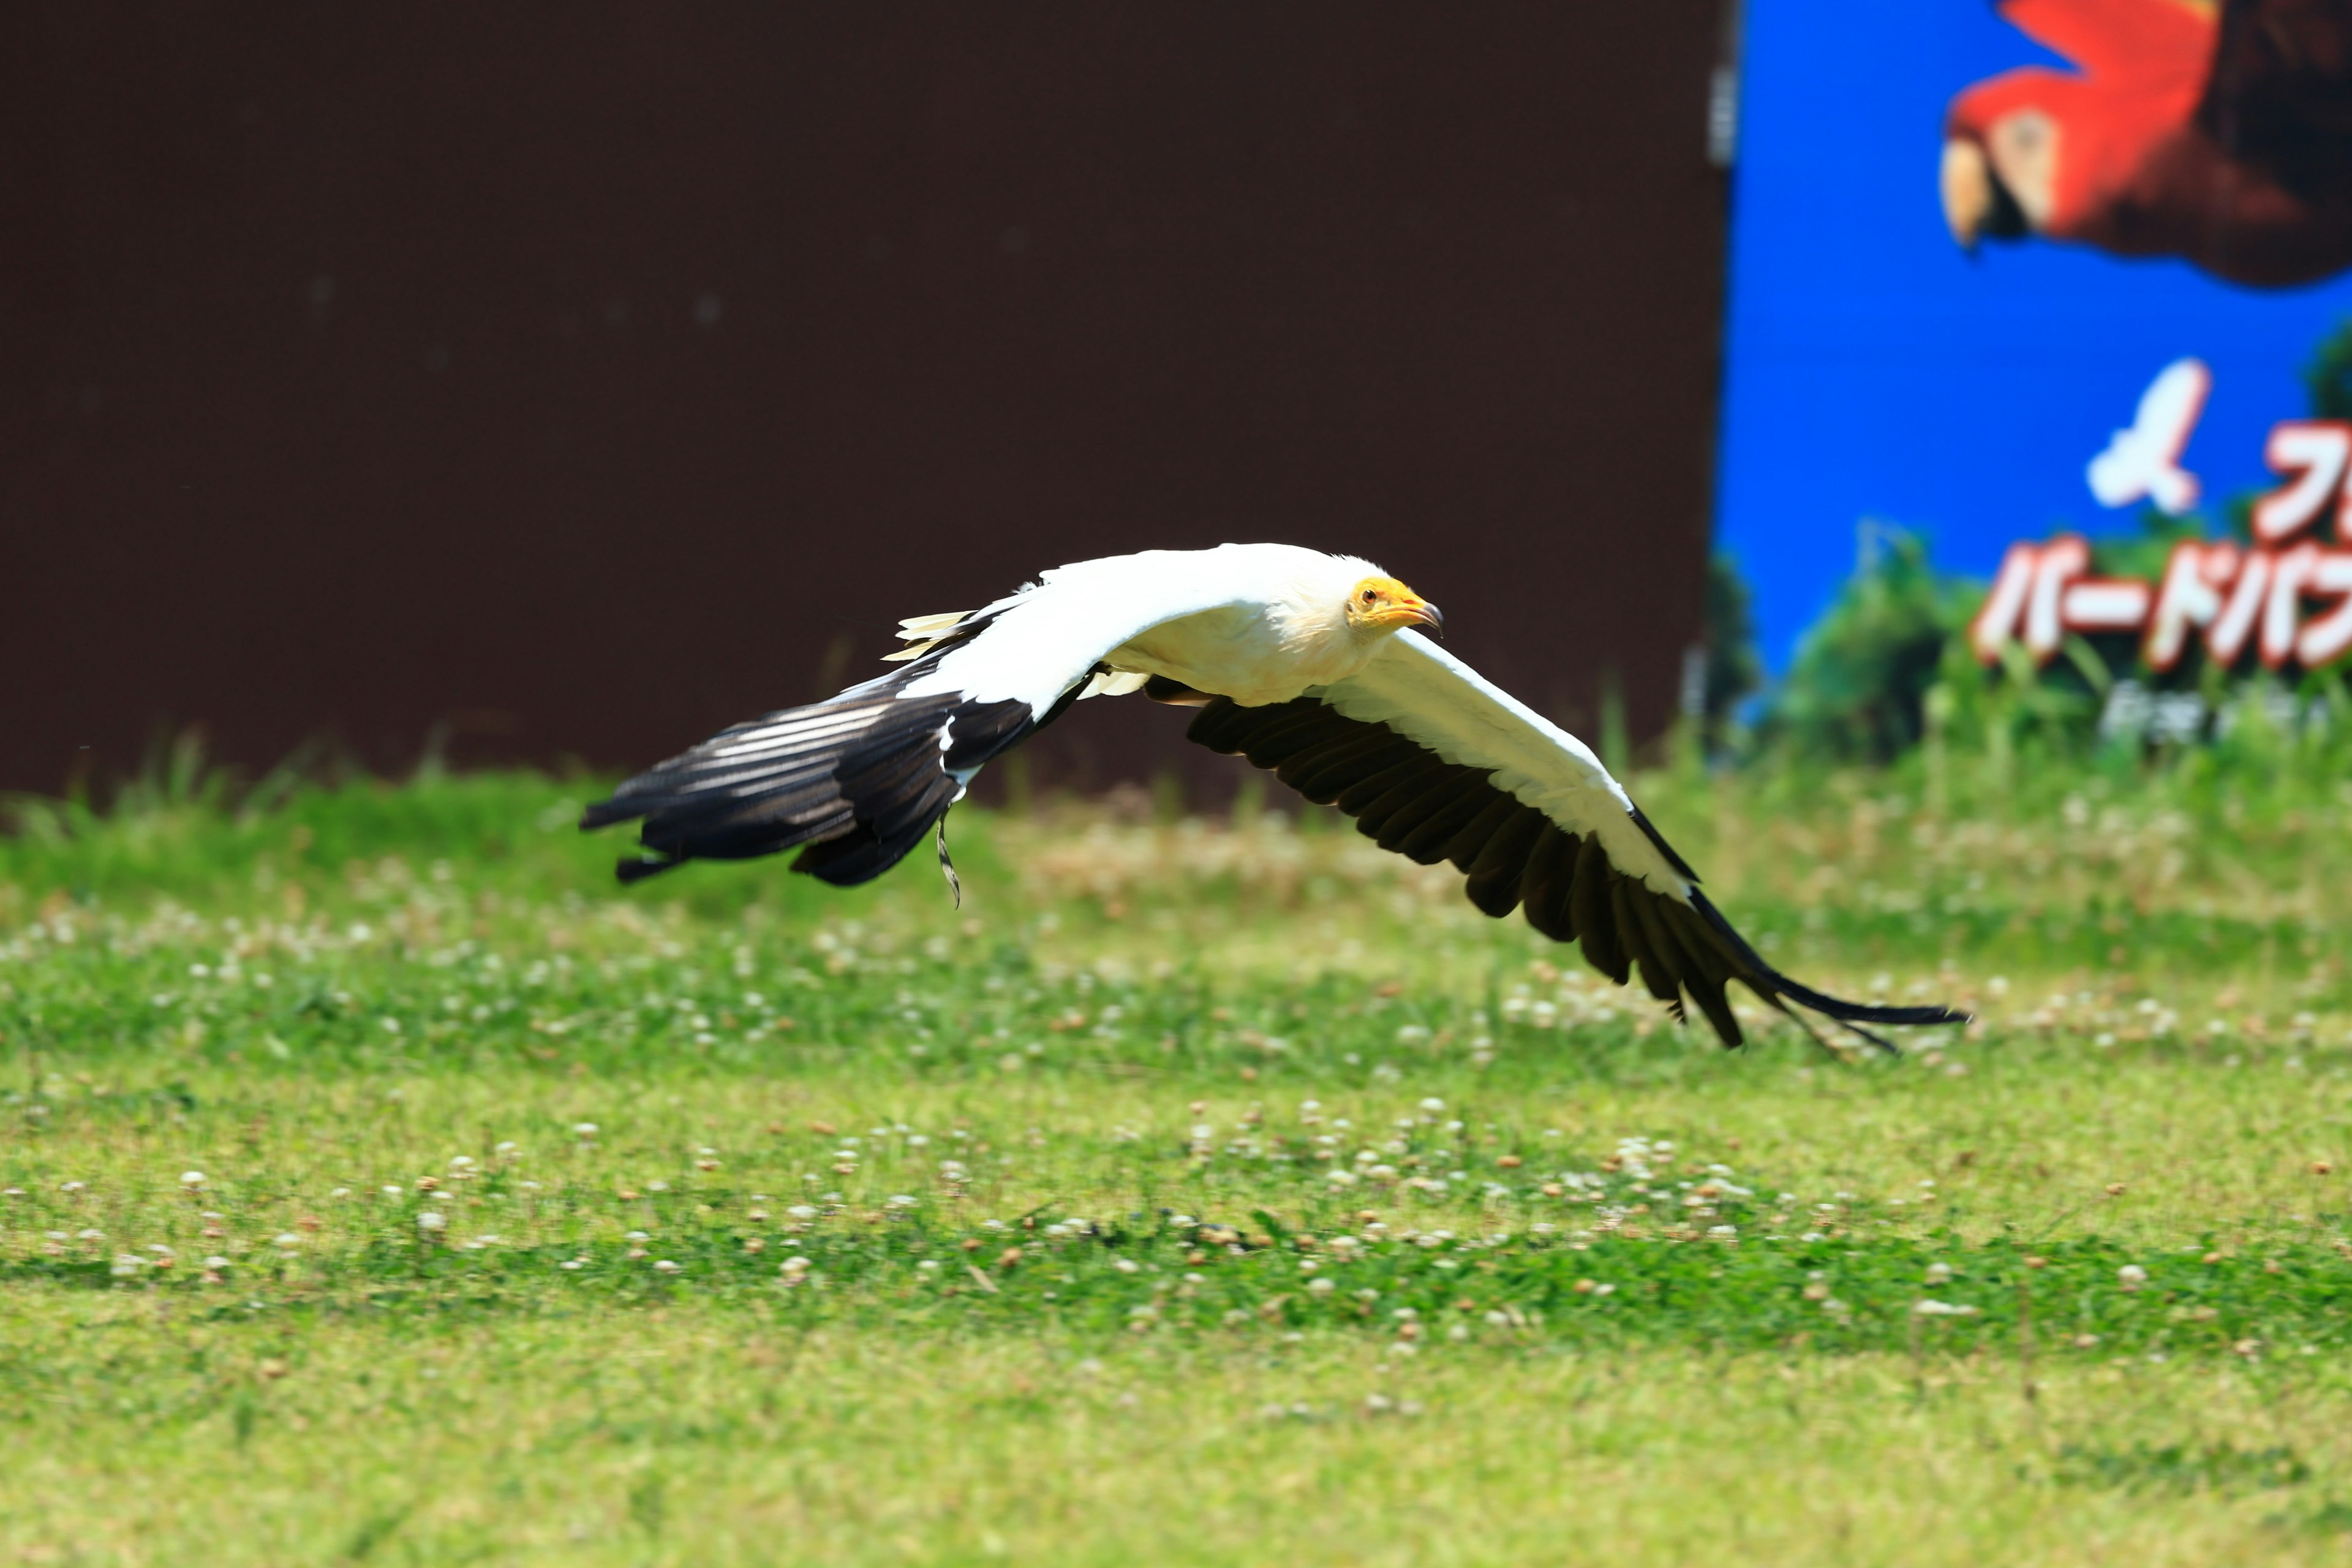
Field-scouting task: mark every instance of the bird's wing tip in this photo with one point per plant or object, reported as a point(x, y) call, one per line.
point(603, 814)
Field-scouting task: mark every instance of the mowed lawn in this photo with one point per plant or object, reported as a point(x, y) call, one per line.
point(383, 1184)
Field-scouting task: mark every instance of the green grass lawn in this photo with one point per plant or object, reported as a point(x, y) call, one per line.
point(384, 1183)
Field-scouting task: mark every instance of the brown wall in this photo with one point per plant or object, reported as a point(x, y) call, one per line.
point(587, 376)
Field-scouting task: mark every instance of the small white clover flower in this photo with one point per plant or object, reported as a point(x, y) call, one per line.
point(663, 1265)
point(432, 1219)
point(192, 1179)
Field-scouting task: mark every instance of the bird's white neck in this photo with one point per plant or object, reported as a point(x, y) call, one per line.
point(1297, 638)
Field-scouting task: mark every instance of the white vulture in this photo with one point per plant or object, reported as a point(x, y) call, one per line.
point(1304, 663)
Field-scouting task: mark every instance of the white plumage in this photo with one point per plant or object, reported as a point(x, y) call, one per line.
point(1306, 663)
point(1257, 623)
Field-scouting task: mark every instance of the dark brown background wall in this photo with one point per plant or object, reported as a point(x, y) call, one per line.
point(581, 377)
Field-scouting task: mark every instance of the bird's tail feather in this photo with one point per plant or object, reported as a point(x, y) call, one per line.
point(853, 782)
point(1848, 1016)
point(1846, 1012)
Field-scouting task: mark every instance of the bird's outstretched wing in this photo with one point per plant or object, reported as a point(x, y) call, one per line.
point(855, 781)
point(1437, 763)
point(2129, 43)
point(2280, 93)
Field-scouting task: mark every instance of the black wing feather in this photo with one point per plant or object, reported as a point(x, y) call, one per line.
point(1412, 801)
point(853, 782)
point(1432, 840)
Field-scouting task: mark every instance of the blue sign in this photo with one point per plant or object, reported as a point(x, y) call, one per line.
point(2004, 273)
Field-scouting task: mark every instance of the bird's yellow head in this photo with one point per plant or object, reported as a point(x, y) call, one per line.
point(1382, 605)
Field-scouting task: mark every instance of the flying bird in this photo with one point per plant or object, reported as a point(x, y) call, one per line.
point(2143, 462)
point(2220, 133)
point(1313, 666)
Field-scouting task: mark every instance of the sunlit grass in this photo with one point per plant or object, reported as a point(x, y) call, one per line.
point(684, 1433)
point(381, 1181)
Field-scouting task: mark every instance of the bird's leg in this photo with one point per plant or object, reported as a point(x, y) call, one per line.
point(1842, 1056)
point(947, 867)
point(1885, 1045)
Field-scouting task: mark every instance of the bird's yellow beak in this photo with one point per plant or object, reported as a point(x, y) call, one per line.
point(1422, 613)
point(1386, 604)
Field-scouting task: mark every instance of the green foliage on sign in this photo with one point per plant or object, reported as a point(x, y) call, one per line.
point(1858, 688)
point(1734, 670)
point(2143, 553)
point(2328, 378)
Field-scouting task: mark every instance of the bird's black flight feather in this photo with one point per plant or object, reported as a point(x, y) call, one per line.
point(854, 782)
point(1411, 801)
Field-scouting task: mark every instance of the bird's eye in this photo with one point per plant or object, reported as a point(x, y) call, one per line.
point(1370, 597)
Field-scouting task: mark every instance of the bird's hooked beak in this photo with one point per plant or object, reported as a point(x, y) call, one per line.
point(1386, 604)
point(1968, 192)
point(2000, 189)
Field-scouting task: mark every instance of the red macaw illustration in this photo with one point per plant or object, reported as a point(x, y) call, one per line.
point(2218, 133)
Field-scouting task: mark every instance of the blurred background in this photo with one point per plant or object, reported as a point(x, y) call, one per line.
point(556, 384)
point(548, 383)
